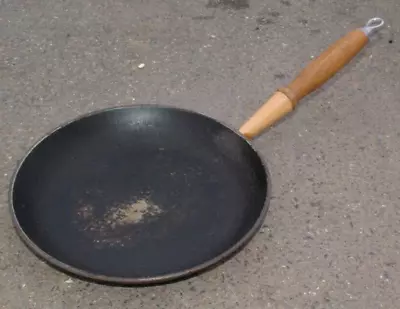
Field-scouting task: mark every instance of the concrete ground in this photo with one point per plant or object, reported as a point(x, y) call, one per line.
point(332, 235)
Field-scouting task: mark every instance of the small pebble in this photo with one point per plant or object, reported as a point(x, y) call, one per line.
point(141, 66)
point(69, 281)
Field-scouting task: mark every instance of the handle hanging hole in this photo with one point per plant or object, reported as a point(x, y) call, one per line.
point(372, 25)
point(375, 23)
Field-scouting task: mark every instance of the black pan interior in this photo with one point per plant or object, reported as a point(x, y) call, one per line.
point(139, 192)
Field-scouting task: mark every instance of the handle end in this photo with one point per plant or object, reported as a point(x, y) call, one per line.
point(372, 26)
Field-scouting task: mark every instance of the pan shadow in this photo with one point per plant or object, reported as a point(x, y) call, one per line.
point(228, 4)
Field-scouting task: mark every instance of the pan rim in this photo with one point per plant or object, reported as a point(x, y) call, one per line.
point(137, 281)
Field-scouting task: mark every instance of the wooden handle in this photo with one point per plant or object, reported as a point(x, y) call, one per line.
point(326, 65)
point(312, 77)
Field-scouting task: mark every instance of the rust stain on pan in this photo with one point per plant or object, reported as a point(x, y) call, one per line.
point(131, 213)
point(85, 212)
point(114, 226)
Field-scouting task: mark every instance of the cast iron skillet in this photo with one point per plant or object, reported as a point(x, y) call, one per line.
point(149, 194)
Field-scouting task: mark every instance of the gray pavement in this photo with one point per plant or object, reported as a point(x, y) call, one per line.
point(332, 235)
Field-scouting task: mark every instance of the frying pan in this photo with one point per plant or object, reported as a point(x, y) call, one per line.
point(149, 194)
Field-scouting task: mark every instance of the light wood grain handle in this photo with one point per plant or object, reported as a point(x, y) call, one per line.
point(325, 66)
point(312, 77)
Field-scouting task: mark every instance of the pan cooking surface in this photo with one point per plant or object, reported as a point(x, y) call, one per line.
point(139, 192)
